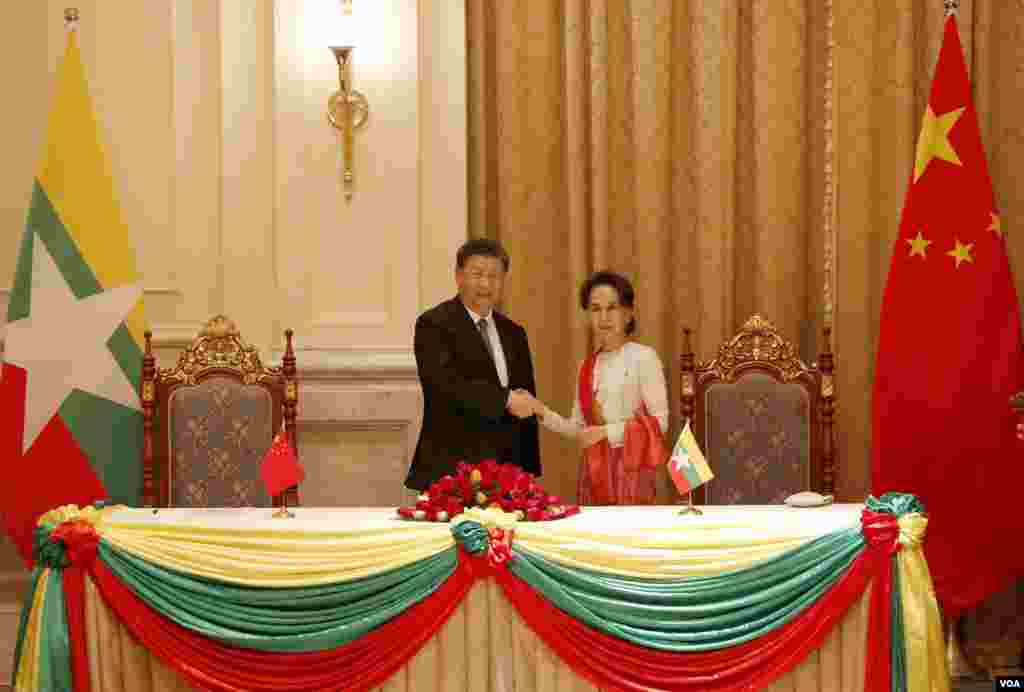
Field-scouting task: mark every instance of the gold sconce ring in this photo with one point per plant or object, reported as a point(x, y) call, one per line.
point(358, 104)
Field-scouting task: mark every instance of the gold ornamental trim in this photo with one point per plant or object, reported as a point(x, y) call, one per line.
point(218, 346)
point(757, 342)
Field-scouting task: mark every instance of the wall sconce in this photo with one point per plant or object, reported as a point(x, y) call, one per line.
point(347, 109)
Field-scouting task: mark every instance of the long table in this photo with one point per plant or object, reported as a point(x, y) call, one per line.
point(484, 642)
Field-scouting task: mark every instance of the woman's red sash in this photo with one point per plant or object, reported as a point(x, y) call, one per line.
point(643, 444)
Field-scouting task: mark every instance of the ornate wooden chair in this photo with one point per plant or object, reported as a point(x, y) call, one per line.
point(761, 416)
point(209, 420)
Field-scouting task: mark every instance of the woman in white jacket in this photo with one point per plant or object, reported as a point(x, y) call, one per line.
point(620, 415)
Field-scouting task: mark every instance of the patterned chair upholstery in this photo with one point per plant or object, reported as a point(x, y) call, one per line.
point(209, 420)
point(762, 417)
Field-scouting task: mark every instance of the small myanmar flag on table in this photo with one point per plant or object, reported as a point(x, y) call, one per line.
point(687, 465)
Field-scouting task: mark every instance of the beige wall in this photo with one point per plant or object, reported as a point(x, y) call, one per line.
point(213, 114)
point(229, 176)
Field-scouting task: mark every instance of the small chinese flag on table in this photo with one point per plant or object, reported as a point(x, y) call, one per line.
point(687, 465)
point(280, 468)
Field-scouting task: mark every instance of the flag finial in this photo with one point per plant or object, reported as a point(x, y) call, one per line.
point(952, 6)
point(71, 17)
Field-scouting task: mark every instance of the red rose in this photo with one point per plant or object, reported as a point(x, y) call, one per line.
point(508, 476)
point(453, 506)
point(523, 483)
point(489, 469)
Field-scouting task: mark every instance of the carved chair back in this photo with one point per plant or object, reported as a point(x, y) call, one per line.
point(762, 417)
point(208, 421)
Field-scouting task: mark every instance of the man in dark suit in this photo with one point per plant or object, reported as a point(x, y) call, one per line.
point(477, 375)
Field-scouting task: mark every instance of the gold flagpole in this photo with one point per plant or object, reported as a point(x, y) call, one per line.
point(689, 508)
point(282, 511)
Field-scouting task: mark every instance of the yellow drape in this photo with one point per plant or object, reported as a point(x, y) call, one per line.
point(258, 553)
point(27, 679)
point(656, 542)
point(922, 622)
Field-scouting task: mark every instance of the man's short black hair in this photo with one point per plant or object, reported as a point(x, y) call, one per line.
point(621, 285)
point(478, 247)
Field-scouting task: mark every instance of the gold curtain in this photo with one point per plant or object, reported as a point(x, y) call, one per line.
point(683, 143)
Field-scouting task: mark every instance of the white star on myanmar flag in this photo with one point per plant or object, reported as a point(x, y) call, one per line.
point(39, 343)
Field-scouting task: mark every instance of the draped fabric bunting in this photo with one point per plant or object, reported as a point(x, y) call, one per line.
point(349, 627)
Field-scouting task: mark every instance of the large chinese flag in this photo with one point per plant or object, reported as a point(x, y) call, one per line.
point(70, 418)
point(949, 354)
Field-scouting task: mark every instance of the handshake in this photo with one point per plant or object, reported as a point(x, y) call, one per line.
point(522, 404)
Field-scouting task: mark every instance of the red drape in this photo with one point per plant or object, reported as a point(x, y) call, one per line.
point(211, 665)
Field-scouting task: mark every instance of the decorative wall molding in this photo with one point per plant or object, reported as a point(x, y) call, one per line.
point(174, 334)
point(151, 291)
point(347, 402)
point(351, 318)
point(353, 365)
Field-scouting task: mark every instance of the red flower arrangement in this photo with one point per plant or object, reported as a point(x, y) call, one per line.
point(488, 484)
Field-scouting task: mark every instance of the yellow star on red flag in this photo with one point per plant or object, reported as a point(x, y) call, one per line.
point(918, 245)
point(996, 226)
point(961, 252)
point(933, 142)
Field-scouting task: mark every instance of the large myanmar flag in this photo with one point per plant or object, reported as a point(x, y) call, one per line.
point(70, 421)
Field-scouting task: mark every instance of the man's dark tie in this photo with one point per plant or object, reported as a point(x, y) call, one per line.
point(485, 333)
